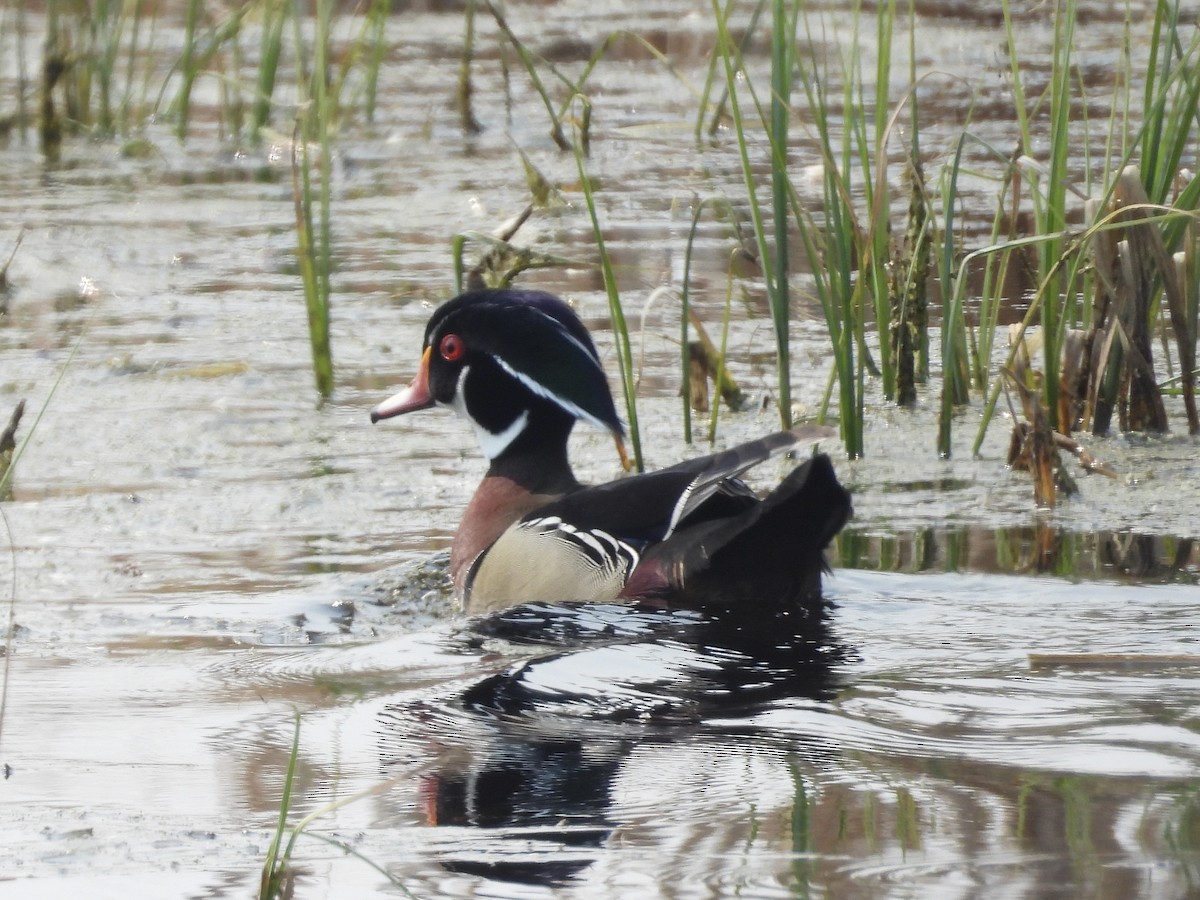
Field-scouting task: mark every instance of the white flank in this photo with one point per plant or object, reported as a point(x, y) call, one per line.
point(610, 550)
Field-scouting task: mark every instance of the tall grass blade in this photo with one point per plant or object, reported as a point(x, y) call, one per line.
point(315, 246)
point(527, 60)
point(129, 114)
point(954, 363)
point(995, 275)
point(54, 65)
point(616, 311)
point(23, 116)
point(377, 18)
point(718, 109)
point(721, 354)
point(6, 479)
point(463, 99)
point(188, 66)
point(767, 254)
point(685, 344)
point(876, 251)
point(276, 868)
point(274, 16)
point(834, 242)
point(312, 256)
point(783, 42)
point(1054, 218)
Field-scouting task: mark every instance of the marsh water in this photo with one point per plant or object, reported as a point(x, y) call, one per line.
point(1004, 702)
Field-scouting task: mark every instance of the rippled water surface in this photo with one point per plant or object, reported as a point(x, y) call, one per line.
point(1002, 704)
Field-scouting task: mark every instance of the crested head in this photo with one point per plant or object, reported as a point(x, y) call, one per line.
point(506, 360)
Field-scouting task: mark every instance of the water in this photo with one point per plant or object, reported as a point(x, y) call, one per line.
point(201, 552)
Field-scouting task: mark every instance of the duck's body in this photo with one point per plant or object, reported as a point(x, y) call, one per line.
point(521, 368)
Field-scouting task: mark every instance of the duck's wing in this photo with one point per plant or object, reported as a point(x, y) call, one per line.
point(649, 508)
point(771, 553)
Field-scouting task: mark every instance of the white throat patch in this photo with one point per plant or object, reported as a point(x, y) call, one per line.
point(495, 444)
point(492, 443)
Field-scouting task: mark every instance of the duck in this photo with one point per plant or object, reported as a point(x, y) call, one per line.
point(521, 368)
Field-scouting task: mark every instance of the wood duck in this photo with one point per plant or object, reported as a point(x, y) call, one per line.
point(520, 367)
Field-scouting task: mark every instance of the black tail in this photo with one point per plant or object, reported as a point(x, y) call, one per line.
point(768, 555)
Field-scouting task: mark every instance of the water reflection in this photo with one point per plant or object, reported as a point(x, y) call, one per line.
point(1037, 548)
point(543, 805)
point(534, 753)
point(663, 753)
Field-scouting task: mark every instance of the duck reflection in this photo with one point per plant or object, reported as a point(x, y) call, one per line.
point(536, 748)
point(541, 803)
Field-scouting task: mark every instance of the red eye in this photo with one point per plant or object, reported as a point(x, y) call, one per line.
point(452, 348)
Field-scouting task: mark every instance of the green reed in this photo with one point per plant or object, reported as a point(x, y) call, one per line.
point(323, 105)
point(831, 246)
point(871, 143)
point(839, 239)
point(685, 307)
point(106, 56)
point(14, 21)
point(464, 98)
point(1051, 213)
point(783, 43)
point(858, 278)
point(274, 17)
point(116, 32)
point(771, 242)
point(996, 268)
point(712, 364)
point(851, 251)
point(375, 39)
point(10, 457)
point(188, 66)
point(104, 63)
point(278, 873)
point(720, 376)
point(575, 86)
point(1152, 132)
point(353, 74)
point(1171, 106)
point(133, 97)
point(530, 63)
point(575, 110)
point(109, 29)
point(616, 310)
point(314, 239)
point(715, 111)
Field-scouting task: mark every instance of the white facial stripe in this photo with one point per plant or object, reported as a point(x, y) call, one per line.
point(567, 334)
point(542, 391)
point(457, 403)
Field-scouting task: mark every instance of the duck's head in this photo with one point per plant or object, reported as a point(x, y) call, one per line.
point(518, 365)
